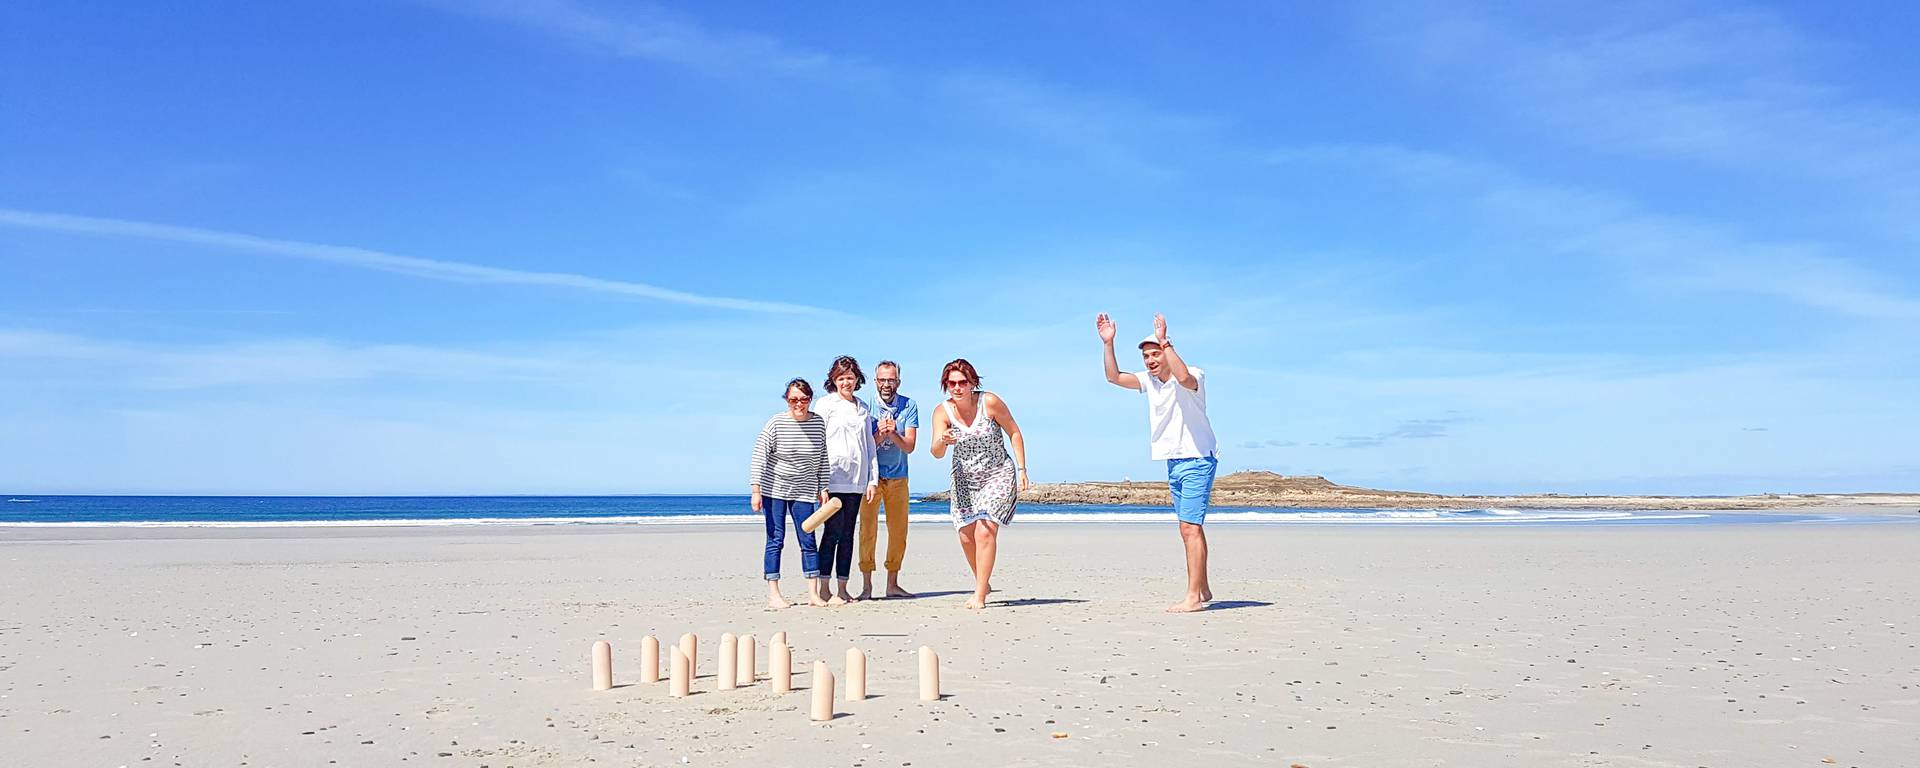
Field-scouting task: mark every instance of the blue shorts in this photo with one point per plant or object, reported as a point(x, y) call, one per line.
point(1191, 481)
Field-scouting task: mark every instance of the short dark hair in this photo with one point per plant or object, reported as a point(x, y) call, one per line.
point(885, 364)
point(962, 366)
point(842, 365)
point(801, 382)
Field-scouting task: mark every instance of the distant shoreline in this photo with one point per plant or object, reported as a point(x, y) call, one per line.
point(1267, 489)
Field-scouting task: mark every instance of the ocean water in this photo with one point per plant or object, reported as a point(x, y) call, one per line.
point(274, 511)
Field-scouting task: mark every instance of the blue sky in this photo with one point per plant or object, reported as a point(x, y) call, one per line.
point(576, 247)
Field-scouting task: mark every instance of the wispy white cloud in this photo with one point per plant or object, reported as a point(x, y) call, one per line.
point(618, 385)
point(1660, 251)
point(1581, 421)
point(432, 269)
point(400, 446)
point(1115, 134)
point(1407, 429)
point(1741, 90)
point(1006, 130)
point(656, 34)
point(1734, 86)
point(617, 364)
point(116, 363)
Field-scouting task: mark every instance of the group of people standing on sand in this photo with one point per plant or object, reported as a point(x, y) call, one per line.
point(838, 447)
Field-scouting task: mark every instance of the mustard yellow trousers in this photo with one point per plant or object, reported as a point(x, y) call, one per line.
point(893, 496)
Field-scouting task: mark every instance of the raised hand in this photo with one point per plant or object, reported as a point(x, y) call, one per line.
point(1160, 328)
point(1104, 324)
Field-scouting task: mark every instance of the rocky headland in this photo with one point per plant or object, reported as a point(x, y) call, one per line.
point(1267, 489)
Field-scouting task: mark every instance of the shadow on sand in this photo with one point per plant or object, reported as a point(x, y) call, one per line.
point(1026, 601)
point(1223, 605)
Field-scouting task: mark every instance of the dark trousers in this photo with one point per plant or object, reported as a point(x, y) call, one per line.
point(777, 511)
point(836, 538)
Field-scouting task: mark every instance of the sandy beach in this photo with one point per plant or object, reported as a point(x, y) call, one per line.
point(1710, 645)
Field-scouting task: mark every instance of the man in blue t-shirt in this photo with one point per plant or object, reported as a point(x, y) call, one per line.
point(896, 422)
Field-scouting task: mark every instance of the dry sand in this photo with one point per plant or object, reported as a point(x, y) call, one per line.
point(1776, 645)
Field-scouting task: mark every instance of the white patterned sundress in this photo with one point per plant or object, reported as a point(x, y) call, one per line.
point(984, 479)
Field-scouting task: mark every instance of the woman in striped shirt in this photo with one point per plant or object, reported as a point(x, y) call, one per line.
point(789, 478)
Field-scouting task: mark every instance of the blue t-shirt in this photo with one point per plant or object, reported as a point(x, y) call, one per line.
point(893, 461)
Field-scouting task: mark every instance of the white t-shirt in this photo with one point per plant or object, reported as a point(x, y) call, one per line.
point(851, 458)
point(1178, 416)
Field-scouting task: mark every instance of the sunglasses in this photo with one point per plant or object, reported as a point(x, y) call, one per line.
point(957, 382)
point(886, 381)
point(799, 399)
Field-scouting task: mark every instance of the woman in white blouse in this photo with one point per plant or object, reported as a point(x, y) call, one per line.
point(853, 470)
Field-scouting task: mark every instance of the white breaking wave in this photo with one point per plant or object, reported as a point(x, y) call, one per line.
point(1371, 517)
point(1339, 517)
point(395, 523)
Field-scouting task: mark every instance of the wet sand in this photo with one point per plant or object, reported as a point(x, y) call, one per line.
point(1714, 645)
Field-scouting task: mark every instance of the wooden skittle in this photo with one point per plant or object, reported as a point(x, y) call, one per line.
point(602, 665)
point(649, 659)
point(682, 674)
point(819, 518)
point(929, 674)
point(729, 658)
point(822, 692)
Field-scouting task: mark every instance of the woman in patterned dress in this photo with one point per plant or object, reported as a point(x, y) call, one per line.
point(986, 480)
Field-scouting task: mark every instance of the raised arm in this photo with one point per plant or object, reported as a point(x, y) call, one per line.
point(1115, 376)
point(998, 411)
point(1176, 367)
point(941, 436)
point(910, 436)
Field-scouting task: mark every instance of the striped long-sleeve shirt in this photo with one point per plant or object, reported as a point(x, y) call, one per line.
point(790, 458)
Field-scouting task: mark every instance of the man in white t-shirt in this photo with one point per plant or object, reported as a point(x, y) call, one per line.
point(1182, 436)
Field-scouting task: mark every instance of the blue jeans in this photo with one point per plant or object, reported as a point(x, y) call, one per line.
point(777, 511)
point(1191, 481)
point(836, 537)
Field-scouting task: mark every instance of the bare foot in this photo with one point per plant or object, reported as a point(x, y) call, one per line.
point(1188, 605)
point(1207, 596)
point(814, 599)
point(865, 594)
point(894, 590)
point(778, 602)
point(837, 600)
point(976, 602)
